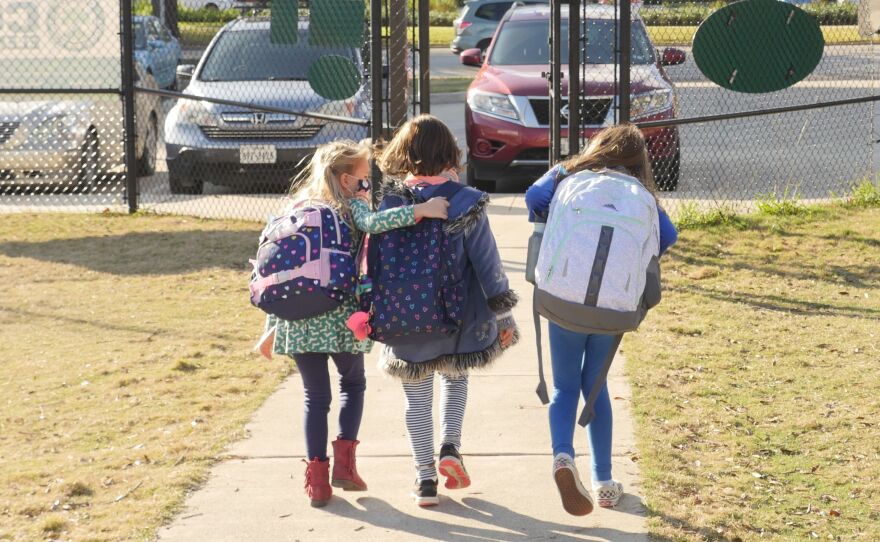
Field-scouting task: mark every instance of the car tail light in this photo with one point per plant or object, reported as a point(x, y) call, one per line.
point(462, 25)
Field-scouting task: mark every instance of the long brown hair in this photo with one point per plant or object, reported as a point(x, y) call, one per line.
point(422, 146)
point(618, 146)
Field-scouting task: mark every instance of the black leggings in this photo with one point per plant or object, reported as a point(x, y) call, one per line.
point(317, 396)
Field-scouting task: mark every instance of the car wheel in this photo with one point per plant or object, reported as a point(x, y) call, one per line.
point(180, 185)
point(89, 163)
point(479, 184)
point(147, 164)
point(667, 172)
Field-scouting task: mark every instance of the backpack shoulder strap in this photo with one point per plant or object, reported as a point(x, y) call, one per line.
point(589, 412)
point(542, 384)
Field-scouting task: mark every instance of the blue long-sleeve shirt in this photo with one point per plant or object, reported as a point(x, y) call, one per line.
point(540, 194)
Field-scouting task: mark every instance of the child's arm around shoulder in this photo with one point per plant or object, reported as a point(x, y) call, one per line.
point(369, 221)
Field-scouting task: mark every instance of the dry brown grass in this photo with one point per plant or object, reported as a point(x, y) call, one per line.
point(126, 367)
point(756, 382)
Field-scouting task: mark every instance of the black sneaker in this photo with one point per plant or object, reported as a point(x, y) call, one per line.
point(425, 493)
point(452, 467)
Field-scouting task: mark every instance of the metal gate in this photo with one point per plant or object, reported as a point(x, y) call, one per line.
point(711, 146)
point(214, 121)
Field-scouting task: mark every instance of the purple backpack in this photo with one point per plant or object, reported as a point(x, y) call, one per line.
point(417, 290)
point(304, 265)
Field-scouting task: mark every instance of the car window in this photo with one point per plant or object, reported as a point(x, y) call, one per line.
point(152, 30)
point(494, 11)
point(140, 36)
point(526, 42)
point(249, 55)
point(164, 33)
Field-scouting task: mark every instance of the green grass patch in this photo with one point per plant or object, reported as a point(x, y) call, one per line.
point(863, 194)
point(684, 35)
point(689, 217)
point(450, 84)
point(753, 381)
point(107, 419)
point(786, 204)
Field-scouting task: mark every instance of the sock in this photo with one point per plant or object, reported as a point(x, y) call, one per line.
point(601, 483)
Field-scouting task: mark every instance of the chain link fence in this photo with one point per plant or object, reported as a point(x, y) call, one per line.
point(712, 146)
point(227, 103)
point(811, 153)
point(61, 112)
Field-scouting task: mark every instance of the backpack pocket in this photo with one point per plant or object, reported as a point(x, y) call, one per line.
point(453, 304)
point(404, 311)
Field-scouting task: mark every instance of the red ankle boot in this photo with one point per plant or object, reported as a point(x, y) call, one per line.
point(318, 481)
point(345, 473)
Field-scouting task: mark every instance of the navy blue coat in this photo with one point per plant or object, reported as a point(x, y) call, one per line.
point(488, 300)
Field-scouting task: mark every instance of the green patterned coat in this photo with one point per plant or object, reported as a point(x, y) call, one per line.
point(328, 332)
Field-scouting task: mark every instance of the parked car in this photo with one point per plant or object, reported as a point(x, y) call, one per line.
point(507, 114)
point(207, 4)
point(478, 20)
point(231, 145)
point(157, 50)
point(75, 143)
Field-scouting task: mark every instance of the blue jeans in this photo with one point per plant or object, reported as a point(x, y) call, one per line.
point(577, 362)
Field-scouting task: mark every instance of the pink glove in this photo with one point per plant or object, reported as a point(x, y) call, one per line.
point(359, 324)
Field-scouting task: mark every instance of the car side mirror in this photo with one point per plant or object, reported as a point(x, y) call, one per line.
point(472, 57)
point(672, 57)
point(184, 75)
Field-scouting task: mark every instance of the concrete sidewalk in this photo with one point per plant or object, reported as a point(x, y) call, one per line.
point(256, 493)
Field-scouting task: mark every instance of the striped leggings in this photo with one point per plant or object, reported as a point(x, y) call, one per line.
point(420, 422)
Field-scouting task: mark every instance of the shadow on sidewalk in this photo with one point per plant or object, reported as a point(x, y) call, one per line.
point(502, 524)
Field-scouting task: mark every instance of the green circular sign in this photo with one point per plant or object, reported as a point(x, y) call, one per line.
point(758, 46)
point(334, 77)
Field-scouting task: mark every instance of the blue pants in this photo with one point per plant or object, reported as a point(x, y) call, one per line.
point(577, 363)
point(316, 384)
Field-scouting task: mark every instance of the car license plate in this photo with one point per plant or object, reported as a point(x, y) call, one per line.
point(257, 154)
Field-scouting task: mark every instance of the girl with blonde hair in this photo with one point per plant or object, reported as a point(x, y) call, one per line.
point(338, 177)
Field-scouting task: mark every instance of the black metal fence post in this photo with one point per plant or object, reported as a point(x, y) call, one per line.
point(555, 79)
point(625, 35)
point(424, 57)
point(376, 85)
point(128, 111)
point(574, 81)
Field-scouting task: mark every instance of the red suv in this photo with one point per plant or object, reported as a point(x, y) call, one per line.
point(507, 114)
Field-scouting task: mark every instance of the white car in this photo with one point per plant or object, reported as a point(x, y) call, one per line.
point(207, 4)
point(76, 143)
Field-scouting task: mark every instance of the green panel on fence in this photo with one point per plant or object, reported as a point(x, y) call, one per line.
point(284, 21)
point(337, 23)
point(334, 77)
point(758, 46)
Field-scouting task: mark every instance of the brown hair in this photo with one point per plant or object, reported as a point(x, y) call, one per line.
point(618, 146)
point(422, 146)
point(319, 181)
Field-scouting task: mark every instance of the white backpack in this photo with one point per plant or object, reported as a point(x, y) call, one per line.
point(598, 266)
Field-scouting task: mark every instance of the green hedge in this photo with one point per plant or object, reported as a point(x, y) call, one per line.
point(693, 14)
point(187, 15)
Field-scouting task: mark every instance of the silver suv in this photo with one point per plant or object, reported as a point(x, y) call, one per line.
point(478, 20)
point(230, 145)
